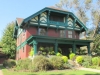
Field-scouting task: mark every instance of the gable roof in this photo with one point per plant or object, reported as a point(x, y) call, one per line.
point(54, 9)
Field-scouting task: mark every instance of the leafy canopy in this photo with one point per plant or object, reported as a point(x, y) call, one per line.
point(8, 42)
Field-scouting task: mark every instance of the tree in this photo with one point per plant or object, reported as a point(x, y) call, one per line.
point(88, 11)
point(8, 42)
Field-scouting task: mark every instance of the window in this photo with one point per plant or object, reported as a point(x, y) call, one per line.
point(69, 34)
point(42, 31)
point(57, 18)
point(62, 33)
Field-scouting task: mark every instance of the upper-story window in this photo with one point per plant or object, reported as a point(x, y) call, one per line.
point(42, 31)
point(62, 33)
point(57, 18)
point(70, 34)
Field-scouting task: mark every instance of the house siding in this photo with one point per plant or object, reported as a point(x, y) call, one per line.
point(53, 33)
point(31, 31)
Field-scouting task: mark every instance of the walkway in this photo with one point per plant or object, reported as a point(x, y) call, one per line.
point(1, 72)
point(1, 69)
point(89, 69)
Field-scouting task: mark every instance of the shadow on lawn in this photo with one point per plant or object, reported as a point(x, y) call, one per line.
point(49, 74)
point(93, 74)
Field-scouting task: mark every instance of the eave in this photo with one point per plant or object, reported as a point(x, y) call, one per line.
point(84, 28)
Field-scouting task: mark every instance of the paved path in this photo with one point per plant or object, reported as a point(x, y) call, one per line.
point(89, 69)
point(1, 72)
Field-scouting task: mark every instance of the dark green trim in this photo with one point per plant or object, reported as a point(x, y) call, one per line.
point(54, 10)
point(21, 45)
point(59, 40)
point(56, 47)
point(35, 46)
point(74, 48)
point(88, 46)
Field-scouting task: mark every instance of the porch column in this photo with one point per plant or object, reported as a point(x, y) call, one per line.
point(56, 47)
point(74, 48)
point(88, 47)
point(35, 46)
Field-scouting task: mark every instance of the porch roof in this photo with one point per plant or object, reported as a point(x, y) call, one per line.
point(47, 39)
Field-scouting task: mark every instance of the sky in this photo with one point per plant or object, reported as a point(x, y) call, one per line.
point(12, 9)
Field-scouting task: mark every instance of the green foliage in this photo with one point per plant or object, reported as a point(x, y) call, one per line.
point(41, 63)
point(41, 48)
point(59, 50)
point(47, 50)
point(95, 60)
point(65, 59)
point(25, 64)
point(57, 62)
point(9, 63)
point(79, 59)
point(72, 56)
point(51, 51)
point(8, 42)
point(31, 53)
point(58, 54)
point(87, 61)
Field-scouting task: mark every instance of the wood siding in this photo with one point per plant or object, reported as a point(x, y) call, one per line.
point(31, 31)
point(53, 33)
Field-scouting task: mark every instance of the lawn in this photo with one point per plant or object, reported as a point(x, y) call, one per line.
point(53, 72)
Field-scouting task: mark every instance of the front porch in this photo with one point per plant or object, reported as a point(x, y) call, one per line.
point(64, 44)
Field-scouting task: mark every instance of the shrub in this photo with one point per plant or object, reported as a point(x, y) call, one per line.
point(24, 64)
point(57, 62)
point(72, 56)
point(58, 54)
point(41, 63)
point(65, 59)
point(87, 61)
point(9, 63)
point(79, 59)
point(95, 60)
point(31, 53)
point(99, 62)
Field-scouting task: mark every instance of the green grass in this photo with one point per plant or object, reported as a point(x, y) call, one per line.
point(53, 72)
point(57, 72)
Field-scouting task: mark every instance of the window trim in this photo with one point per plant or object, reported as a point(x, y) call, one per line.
point(64, 33)
point(70, 34)
point(43, 33)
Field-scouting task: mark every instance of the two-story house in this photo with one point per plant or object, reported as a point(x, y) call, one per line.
point(49, 27)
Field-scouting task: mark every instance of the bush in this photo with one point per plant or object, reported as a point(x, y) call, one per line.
point(10, 63)
point(57, 62)
point(58, 54)
point(79, 59)
point(65, 59)
point(72, 56)
point(87, 61)
point(24, 64)
point(99, 62)
point(31, 53)
point(95, 61)
point(41, 63)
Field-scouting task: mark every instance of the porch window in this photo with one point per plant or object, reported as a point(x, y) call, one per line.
point(57, 18)
point(42, 31)
point(62, 33)
point(69, 34)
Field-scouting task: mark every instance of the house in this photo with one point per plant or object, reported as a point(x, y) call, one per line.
point(49, 27)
